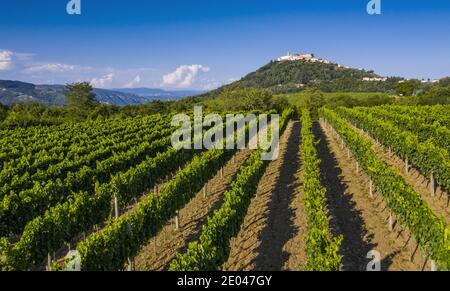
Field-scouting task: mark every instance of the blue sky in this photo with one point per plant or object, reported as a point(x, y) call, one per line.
point(197, 44)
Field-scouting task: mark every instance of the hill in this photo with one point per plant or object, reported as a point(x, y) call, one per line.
point(283, 77)
point(159, 93)
point(290, 76)
point(12, 92)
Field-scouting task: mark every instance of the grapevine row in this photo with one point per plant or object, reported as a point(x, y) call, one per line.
point(17, 209)
point(212, 249)
point(429, 231)
point(429, 159)
point(322, 250)
point(439, 135)
point(82, 211)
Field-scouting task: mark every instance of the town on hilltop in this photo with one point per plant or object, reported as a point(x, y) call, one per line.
point(307, 58)
point(302, 57)
point(313, 59)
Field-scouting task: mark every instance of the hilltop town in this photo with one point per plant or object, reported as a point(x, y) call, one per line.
point(303, 57)
point(311, 58)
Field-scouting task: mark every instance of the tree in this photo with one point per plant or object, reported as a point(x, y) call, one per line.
point(314, 99)
point(255, 99)
point(436, 95)
point(80, 96)
point(405, 88)
point(444, 82)
point(3, 112)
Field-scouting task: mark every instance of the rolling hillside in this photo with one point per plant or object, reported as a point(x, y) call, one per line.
point(12, 92)
point(292, 76)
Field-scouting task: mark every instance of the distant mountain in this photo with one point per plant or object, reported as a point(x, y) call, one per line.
point(12, 92)
point(159, 93)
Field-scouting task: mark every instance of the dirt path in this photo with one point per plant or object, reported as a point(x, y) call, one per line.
point(362, 220)
point(162, 249)
point(438, 204)
point(271, 235)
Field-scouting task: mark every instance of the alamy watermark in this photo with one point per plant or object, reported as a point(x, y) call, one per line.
point(375, 264)
point(236, 132)
point(74, 7)
point(374, 7)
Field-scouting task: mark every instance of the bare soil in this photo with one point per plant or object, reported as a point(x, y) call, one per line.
point(163, 248)
point(439, 204)
point(362, 220)
point(272, 235)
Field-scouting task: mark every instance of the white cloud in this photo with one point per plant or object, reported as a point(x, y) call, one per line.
point(5, 60)
point(136, 81)
point(54, 68)
point(184, 76)
point(102, 82)
point(28, 67)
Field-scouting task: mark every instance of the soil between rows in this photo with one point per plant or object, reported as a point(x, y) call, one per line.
point(272, 235)
point(363, 220)
point(439, 204)
point(162, 249)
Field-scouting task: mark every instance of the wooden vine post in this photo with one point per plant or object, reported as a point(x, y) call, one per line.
point(371, 188)
point(177, 220)
point(131, 265)
point(391, 221)
point(205, 190)
point(221, 173)
point(432, 185)
point(130, 261)
point(49, 262)
point(434, 267)
point(116, 206)
point(406, 166)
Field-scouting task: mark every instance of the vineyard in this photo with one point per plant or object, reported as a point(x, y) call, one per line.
point(355, 189)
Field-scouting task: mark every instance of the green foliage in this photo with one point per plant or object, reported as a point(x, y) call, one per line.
point(405, 88)
point(436, 95)
point(79, 96)
point(248, 99)
point(212, 249)
point(109, 249)
point(314, 99)
point(334, 100)
point(284, 77)
point(425, 156)
point(429, 231)
point(3, 112)
point(31, 114)
point(413, 119)
point(444, 82)
point(322, 250)
point(122, 157)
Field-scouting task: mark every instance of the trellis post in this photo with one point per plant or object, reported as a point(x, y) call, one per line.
point(391, 221)
point(432, 185)
point(177, 220)
point(205, 190)
point(116, 206)
point(371, 188)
